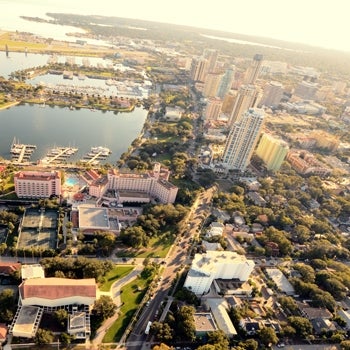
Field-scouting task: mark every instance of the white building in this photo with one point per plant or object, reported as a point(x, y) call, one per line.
point(214, 264)
point(37, 184)
point(242, 140)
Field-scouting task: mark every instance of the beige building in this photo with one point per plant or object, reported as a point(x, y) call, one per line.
point(254, 69)
point(211, 84)
point(272, 95)
point(213, 109)
point(37, 184)
point(272, 151)
point(154, 183)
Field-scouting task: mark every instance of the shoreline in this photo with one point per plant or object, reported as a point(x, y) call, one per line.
point(10, 105)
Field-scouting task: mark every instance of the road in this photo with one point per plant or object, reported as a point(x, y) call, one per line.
point(177, 258)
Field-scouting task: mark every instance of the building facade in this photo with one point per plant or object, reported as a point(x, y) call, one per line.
point(245, 99)
point(242, 140)
point(213, 109)
point(272, 94)
point(37, 184)
point(253, 71)
point(272, 151)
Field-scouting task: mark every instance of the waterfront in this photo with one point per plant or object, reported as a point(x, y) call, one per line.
point(54, 126)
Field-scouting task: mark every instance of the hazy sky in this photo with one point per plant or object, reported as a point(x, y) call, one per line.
point(315, 22)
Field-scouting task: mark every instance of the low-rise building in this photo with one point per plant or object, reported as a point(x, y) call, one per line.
point(214, 264)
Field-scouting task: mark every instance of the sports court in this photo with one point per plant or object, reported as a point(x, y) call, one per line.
point(38, 229)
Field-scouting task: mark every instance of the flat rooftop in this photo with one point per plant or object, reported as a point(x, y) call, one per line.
point(133, 194)
point(204, 322)
point(25, 323)
point(93, 218)
point(77, 321)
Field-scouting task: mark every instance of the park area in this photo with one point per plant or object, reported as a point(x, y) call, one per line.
point(38, 229)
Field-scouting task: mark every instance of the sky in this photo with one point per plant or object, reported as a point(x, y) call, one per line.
point(321, 23)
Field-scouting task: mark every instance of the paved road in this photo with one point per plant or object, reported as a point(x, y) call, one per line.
point(178, 256)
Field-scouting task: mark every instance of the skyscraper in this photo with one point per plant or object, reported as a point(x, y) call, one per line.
point(254, 70)
point(242, 139)
point(211, 55)
point(213, 109)
point(226, 82)
point(245, 99)
point(211, 84)
point(199, 69)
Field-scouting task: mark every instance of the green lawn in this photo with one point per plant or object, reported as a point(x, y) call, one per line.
point(118, 272)
point(158, 247)
point(131, 297)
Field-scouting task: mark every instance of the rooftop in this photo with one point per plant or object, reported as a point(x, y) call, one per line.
point(204, 322)
point(93, 218)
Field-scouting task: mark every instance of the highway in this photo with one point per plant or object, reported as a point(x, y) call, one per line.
point(178, 257)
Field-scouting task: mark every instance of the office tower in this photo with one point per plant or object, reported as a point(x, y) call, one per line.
point(211, 55)
point(272, 151)
point(199, 68)
point(211, 84)
point(254, 70)
point(226, 83)
point(272, 95)
point(213, 109)
point(242, 140)
point(246, 98)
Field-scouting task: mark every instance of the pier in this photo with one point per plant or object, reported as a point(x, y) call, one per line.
point(59, 154)
point(21, 152)
point(96, 154)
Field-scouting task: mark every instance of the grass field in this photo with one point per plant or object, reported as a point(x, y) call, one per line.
point(117, 273)
point(131, 297)
point(158, 247)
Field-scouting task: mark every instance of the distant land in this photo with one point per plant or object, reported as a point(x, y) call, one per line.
point(193, 40)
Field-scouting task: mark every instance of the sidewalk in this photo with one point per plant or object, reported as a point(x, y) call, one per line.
point(115, 295)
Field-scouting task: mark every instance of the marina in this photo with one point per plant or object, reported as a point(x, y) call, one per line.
point(96, 154)
point(58, 155)
point(21, 152)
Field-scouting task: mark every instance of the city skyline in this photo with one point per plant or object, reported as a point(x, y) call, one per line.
point(313, 23)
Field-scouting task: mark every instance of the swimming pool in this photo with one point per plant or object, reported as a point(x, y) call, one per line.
point(71, 181)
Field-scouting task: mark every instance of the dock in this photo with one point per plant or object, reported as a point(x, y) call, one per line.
point(95, 155)
point(21, 152)
point(59, 155)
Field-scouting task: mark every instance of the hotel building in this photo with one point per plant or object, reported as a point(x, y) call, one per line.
point(212, 265)
point(272, 95)
point(37, 184)
point(272, 151)
point(154, 183)
point(242, 140)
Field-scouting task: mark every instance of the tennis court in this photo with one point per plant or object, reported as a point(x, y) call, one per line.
point(38, 229)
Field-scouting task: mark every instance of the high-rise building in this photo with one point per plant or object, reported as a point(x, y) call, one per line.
point(242, 140)
point(211, 55)
point(272, 95)
point(213, 109)
point(253, 71)
point(229, 102)
point(272, 151)
point(211, 84)
point(226, 82)
point(246, 98)
point(199, 69)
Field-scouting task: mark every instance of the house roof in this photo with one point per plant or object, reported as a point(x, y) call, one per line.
point(7, 268)
point(3, 331)
point(57, 288)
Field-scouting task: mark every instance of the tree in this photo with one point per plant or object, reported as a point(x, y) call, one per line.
point(185, 327)
point(249, 344)
point(218, 339)
point(301, 325)
point(43, 336)
point(61, 316)
point(162, 331)
point(104, 307)
point(134, 236)
point(267, 336)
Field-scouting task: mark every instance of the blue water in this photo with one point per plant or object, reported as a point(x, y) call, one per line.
point(55, 126)
point(71, 181)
